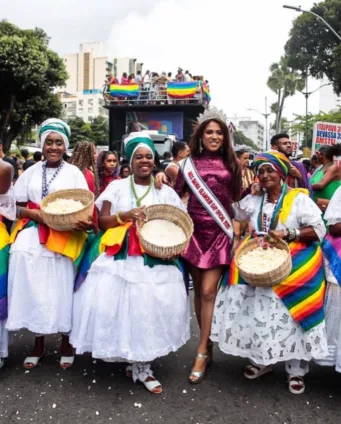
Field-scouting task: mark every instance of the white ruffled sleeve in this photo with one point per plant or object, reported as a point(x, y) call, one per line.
point(7, 205)
point(333, 212)
point(21, 185)
point(308, 214)
point(244, 209)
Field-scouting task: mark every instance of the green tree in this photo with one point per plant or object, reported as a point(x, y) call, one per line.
point(284, 81)
point(312, 47)
point(28, 73)
point(240, 139)
point(100, 130)
point(80, 130)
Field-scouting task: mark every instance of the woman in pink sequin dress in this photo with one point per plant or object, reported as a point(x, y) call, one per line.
point(208, 253)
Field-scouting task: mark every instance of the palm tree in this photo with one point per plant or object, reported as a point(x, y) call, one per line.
point(284, 81)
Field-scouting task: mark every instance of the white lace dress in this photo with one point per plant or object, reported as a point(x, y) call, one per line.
point(7, 210)
point(125, 311)
point(252, 322)
point(40, 284)
point(333, 294)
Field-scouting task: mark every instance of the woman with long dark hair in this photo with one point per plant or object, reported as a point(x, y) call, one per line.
point(212, 177)
point(108, 169)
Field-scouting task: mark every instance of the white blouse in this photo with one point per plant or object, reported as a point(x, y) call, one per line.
point(29, 185)
point(304, 213)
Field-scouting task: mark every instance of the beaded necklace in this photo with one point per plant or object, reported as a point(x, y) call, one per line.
point(263, 218)
point(133, 189)
point(46, 185)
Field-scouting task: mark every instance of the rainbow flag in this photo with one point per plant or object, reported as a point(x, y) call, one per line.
point(303, 291)
point(207, 93)
point(182, 90)
point(331, 248)
point(124, 90)
point(4, 259)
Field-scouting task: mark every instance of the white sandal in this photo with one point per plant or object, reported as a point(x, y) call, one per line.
point(66, 362)
point(152, 385)
point(296, 382)
point(33, 361)
point(256, 371)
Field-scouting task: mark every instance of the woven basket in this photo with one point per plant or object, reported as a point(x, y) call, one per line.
point(267, 279)
point(66, 222)
point(172, 214)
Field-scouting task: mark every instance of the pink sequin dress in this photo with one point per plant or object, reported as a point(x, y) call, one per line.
point(209, 247)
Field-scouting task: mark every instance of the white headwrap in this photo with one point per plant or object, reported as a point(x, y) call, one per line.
point(57, 126)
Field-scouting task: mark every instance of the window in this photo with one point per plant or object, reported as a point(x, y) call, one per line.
point(90, 110)
point(90, 102)
point(80, 103)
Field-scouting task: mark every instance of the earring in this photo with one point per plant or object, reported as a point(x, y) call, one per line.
point(282, 183)
point(200, 146)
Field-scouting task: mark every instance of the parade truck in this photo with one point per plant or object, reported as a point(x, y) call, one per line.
point(166, 117)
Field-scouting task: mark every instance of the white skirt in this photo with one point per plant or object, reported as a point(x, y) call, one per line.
point(254, 323)
point(3, 340)
point(333, 326)
point(40, 287)
point(125, 311)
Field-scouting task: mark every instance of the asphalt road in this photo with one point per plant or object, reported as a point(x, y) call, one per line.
point(97, 392)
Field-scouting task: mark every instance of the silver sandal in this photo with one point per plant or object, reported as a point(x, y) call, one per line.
point(199, 375)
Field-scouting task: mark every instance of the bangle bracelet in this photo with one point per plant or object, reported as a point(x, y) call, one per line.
point(118, 218)
point(19, 211)
point(297, 234)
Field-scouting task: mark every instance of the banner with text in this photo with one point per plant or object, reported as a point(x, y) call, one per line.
point(326, 134)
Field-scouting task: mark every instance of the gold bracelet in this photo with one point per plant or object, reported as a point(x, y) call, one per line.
point(118, 218)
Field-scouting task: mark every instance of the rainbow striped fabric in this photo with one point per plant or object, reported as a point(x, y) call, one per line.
point(331, 247)
point(182, 90)
point(4, 259)
point(303, 291)
point(207, 93)
point(124, 90)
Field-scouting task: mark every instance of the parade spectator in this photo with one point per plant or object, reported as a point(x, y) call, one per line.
point(187, 77)
point(84, 156)
point(27, 162)
point(180, 151)
point(138, 78)
point(108, 169)
point(131, 79)
point(124, 79)
point(125, 171)
point(37, 156)
point(298, 177)
point(9, 160)
point(327, 179)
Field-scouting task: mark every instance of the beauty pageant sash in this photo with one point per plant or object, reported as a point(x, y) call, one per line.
point(206, 197)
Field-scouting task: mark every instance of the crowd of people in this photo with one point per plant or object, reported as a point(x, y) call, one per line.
point(153, 87)
point(104, 294)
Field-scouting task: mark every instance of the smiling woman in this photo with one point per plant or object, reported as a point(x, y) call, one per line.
point(130, 307)
point(283, 323)
point(40, 282)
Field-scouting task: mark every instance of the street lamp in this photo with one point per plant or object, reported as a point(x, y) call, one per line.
point(299, 9)
point(307, 94)
point(266, 116)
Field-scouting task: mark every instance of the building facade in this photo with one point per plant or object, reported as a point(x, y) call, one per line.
point(253, 130)
point(88, 69)
point(86, 105)
point(126, 64)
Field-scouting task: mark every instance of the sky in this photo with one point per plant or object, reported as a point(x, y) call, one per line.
point(231, 43)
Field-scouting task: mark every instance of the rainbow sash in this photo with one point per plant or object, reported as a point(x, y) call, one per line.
point(182, 90)
point(119, 243)
point(4, 258)
point(331, 247)
point(124, 90)
point(71, 244)
point(303, 291)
